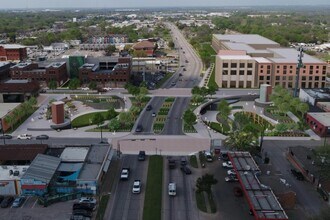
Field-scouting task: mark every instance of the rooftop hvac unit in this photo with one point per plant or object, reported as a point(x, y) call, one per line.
point(11, 172)
point(16, 173)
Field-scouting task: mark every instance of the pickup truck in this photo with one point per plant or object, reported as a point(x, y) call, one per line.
point(124, 174)
point(24, 137)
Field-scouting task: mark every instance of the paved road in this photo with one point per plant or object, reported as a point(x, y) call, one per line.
point(56, 141)
point(179, 207)
point(125, 205)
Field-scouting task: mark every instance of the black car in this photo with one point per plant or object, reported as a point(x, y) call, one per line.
point(149, 107)
point(139, 128)
point(6, 136)
point(186, 170)
point(42, 137)
point(298, 175)
point(142, 155)
point(82, 212)
point(7, 201)
point(86, 206)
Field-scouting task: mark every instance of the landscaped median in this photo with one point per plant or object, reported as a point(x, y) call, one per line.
point(86, 119)
point(153, 195)
point(103, 205)
point(162, 115)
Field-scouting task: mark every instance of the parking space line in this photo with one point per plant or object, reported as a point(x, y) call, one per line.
point(24, 203)
point(34, 203)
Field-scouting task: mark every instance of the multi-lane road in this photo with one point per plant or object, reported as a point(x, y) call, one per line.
point(187, 76)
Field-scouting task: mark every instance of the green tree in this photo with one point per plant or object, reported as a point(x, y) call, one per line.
point(74, 83)
point(125, 118)
point(52, 84)
point(241, 141)
point(10, 120)
point(171, 44)
point(114, 124)
point(196, 90)
point(204, 183)
point(111, 113)
point(189, 117)
point(109, 50)
point(134, 110)
point(197, 99)
point(302, 108)
point(224, 110)
point(281, 127)
point(211, 90)
point(92, 85)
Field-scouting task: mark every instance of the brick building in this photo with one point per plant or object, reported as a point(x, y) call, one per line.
point(12, 52)
point(147, 46)
point(319, 122)
point(13, 91)
point(247, 61)
point(54, 71)
point(112, 71)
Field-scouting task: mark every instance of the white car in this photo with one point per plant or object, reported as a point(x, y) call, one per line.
point(227, 164)
point(136, 186)
point(24, 137)
point(84, 88)
point(87, 200)
point(231, 172)
point(107, 88)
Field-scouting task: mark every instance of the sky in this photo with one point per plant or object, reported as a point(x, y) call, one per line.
point(24, 4)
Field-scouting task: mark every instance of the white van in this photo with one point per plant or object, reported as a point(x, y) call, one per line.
point(172, 189)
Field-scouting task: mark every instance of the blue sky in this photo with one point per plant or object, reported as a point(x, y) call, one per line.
point(148, 3)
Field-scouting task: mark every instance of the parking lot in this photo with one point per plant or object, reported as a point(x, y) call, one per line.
point(31, 210)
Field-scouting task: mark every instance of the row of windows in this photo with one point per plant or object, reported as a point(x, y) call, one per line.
point(302, 78)
point(232, 84)
point(234, 72)
point(234, 65)
point(310, 67)
point(304, 71)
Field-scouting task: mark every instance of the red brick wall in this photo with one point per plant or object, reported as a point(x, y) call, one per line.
point(58, 113)
point(316, 126)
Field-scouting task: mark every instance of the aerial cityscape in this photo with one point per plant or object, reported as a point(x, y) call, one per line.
point(164, 110)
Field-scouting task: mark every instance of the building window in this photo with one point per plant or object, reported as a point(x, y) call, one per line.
point(261, 71)
point(233, 72)
point(242, 65)
point(277, 77)
point(310, 78)
point(268, 77)
point(249, 72)
point(232, 84)
point(317, 78)
point(250, 65)
point(303, 78)
point(225, 65)
point(261, 78)
point(233, 65)
point(241, 72)
point(225, 72)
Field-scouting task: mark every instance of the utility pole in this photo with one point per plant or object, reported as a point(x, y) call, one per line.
point(299, 65)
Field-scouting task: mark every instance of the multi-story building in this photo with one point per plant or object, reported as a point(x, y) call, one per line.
point(110, 39)
point(247, 61)
point(112, 71)
point(32, 71)
point(147, 46)
point(12, 52)
point(4, 70)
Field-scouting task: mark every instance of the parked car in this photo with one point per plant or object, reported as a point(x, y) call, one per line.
point(18, 202)
point(87, 200)
point(136, 186)
point(84, 88)
point(208, 156)
point(298, 174)
point(107, 88)
point(6, 136)
point(24, 137)
point(86, 206)
point(153, 114)
point(173, 83)
point(231, 179)
point(231, 172)
point(42, 137)
point(7, 201)
point(82, 212)
point(139, 128)
point(227, 164)
point(186, 170)
point(142, 155)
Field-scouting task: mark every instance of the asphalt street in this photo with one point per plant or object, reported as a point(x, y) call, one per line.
point(124, 204)
point(56, 141)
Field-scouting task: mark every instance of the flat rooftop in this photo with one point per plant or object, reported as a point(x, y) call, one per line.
point(290, 55)
point(322, 117)
point(12, 46)
point(74, 154)
point(235, 57)
point(261, 198)
point(323, 93)
point(5, 173)
point(4, 64)
point(245, 38)
point(245, 47)
point(94, 161)
point(7, 107)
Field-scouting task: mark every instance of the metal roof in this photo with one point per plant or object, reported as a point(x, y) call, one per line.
point(290, 55)
point(261, 198)
point(245, 38)
point(42, 168)
point(70, 167)
point(74, 154)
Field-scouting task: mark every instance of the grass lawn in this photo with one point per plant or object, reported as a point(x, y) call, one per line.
point(219, 128)
point(189, 128)
point(193, 161)
point(153, 196)
point(158, 127)
point(212, 80)
point(200, 200)
point(84, 120)
point(102, 207)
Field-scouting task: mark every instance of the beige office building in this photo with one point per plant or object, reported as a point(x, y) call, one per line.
point(247, 61)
